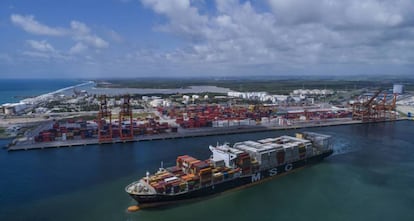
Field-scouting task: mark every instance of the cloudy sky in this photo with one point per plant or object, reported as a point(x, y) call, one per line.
point(132, 38)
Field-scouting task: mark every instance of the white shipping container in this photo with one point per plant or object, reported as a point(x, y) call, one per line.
point(281, 121)
point(231, 123)
point(223, 123)
point(274, 119)
point(244, 122)
point(215, 123)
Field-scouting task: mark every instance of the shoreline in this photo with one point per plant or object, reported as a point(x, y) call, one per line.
point(33, 99)
point(187, 134)
point(29, 99)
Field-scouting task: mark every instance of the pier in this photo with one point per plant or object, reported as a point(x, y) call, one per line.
point(187, 133)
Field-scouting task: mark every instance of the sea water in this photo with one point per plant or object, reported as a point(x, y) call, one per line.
point(369, 177)
point(14, 90)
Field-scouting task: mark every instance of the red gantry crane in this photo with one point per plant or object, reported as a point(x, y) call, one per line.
point(371, 110)
point(362, 110)
point(126, 129)
point(104, 127)
point(386, 108)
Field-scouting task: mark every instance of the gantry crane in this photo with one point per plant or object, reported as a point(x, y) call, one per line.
point(386, 109)
point(126, 129)
point(104, 115)
point(370, 110)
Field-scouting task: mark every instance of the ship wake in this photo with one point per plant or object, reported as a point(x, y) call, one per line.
point(342, 146)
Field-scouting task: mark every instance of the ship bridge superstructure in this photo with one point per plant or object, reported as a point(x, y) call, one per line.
point(225, 153)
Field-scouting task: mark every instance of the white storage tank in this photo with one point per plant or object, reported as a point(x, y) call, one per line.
point(398, 89)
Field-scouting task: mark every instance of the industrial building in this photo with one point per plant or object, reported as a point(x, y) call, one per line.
point(398, 89)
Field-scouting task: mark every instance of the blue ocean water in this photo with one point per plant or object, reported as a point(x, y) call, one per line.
point(14, 90)
point(370, 177)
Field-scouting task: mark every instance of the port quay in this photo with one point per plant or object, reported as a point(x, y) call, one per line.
point(188, 133)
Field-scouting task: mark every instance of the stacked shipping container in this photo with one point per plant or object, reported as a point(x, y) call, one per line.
point(81, 129)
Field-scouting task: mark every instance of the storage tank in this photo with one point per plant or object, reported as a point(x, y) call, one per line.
point(398, 89)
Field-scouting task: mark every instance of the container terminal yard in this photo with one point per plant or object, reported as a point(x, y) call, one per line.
point(127, 118)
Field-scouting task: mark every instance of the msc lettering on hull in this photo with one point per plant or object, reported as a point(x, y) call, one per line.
point(273, 172)
point(288, 167)
point(256, 177)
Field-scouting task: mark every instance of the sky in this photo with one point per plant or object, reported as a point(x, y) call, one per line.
point(195, 38)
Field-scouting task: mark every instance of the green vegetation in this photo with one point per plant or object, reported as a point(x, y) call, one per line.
point(273, 86)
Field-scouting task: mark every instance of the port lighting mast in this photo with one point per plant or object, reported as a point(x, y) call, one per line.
point(126, 129)
point(104, 127)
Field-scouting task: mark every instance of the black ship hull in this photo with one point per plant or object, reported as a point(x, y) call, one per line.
point(240, 182)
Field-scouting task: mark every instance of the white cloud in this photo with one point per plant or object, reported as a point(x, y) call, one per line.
point(78, 48)
point(184, 19)
point(40, 46)
point(291, 34)
point(79, 31)
point(4, 57)
point(29, 24)
point(42, 50)
point(79, 28)
point(92, 40)
point(351, 13)
point(243, 37)
point(47, 55)
point(167, 7)
point(115, 36)
point(36, 54)
point(82, 33)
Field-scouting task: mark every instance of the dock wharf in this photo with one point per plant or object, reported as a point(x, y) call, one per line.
point(187, 133)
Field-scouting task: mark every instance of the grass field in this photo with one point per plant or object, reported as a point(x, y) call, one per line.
point(273, 86)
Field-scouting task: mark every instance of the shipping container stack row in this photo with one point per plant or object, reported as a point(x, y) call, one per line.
point(317, 114)
point(272, 152)
point(45, 136)
point(321, 142)
point(71, 129)
point(206, 116)
point(80, 129)
point(188, 174)
point(139, 127)
point(244, 163)
point(152, 126)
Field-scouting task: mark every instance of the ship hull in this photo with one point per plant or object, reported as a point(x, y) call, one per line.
point(236, 183)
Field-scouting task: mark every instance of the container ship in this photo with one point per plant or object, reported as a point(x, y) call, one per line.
point(229, 167)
